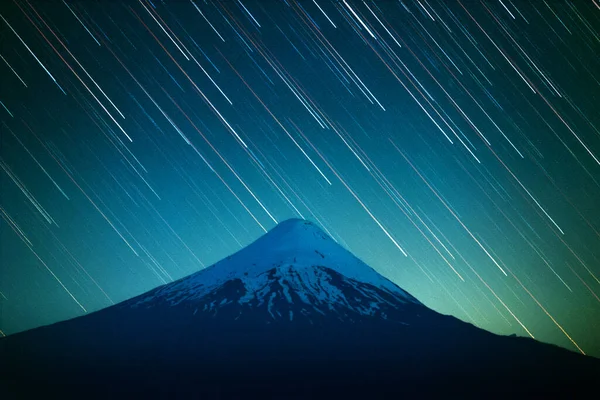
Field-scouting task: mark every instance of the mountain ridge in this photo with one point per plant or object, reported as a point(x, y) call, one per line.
point(292, 315)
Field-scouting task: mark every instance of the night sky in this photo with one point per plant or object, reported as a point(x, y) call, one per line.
point(453, 146)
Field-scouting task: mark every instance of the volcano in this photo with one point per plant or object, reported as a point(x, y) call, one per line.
point(292, 315)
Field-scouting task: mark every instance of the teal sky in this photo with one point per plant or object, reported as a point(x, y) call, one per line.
point(453, 146)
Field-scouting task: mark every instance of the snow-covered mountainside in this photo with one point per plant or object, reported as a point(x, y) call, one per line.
point(294, 266)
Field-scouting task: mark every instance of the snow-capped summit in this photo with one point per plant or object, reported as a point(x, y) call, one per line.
point(293, 267)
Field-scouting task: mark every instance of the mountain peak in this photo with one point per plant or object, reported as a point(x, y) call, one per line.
point(295, 249)
point(293, 234)
point(297, 226)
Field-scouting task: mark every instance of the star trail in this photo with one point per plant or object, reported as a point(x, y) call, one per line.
point(452, 145)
